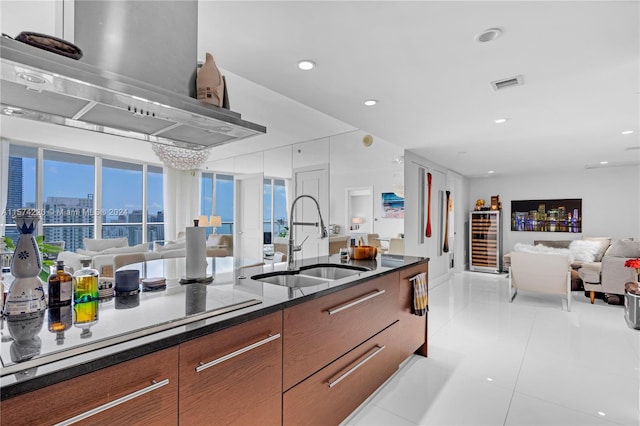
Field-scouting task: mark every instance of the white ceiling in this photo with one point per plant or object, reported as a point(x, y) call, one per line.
point(580, 62)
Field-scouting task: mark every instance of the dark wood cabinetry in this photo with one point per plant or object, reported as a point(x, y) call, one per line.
point(413, 328)
point(331, 394)
point(485, 241)
point(320, 331)
point(233, 376)
point(312, 363)
point(143, 391)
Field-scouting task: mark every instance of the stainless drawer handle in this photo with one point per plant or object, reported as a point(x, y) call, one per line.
point(348, 305)
point(155, 385)
point(224, 358)
point(360, 363)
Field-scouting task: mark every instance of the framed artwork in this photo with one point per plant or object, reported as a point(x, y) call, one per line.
point(561, 215)
point(392, 205)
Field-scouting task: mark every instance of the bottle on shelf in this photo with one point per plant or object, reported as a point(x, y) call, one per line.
point(60, 289)
point(85, 283)
point(85, 298)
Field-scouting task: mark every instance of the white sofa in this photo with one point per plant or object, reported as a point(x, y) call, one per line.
point(103, 252)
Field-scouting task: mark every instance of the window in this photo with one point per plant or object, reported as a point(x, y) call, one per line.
point(216, 198)
point(22, 184)
point(122, 201)
point(275, 210)
point(155, 203)
point(68, 204)
point(64, 193)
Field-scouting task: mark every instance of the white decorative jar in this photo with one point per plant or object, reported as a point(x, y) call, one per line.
point(26, 293)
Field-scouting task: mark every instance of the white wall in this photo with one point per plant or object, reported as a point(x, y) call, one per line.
point(610, 201)
point(442, 180)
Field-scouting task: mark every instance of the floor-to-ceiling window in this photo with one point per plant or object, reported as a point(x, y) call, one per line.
point(68, 182)
point(62, 186)
point(155, 203)
point(122, 201)
point(22, 184)
point(216, 199)
point(275, 222)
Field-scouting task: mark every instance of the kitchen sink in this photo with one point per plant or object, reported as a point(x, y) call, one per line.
point(331, 272)
point(289, 280)
point(310, 275)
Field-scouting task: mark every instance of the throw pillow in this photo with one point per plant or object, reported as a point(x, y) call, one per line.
point(169, 245)
point(584, 250)
point(101, 245)
point(528, 248)
point(87, 252)
point(605, 242)
point(624, 249)
point(139, 248)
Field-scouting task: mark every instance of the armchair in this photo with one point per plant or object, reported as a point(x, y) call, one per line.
point(540, 272)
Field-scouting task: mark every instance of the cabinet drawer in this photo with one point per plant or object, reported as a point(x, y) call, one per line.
point(320, 331)
point(122, 394)
point(413, 328)
point(233, 375)
point(331, 394)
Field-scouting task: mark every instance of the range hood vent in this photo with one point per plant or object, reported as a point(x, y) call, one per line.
point(39, 85)
point(507, 82)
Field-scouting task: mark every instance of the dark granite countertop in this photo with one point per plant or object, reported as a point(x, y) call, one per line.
point(132, 326)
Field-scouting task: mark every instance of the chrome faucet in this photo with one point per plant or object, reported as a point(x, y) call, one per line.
point(292, 247)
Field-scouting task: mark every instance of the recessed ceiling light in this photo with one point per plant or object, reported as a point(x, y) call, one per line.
point(604, 162)
point(491, 172)
point(370, 102)
point(306, 65)
point(600, 413)
point(627, 132)
point(500, 120)
point(488, 35)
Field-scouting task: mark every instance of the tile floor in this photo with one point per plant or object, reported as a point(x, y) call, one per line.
point(529, 362)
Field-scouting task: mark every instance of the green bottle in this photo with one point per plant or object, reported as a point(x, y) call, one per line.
point(85, 283)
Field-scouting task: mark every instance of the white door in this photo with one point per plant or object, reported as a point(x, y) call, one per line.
point(312, 181)
point(248, 217)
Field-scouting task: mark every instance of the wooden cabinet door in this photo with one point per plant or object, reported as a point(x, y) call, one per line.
point(331, 394)
point(320, 331)
point(233, 376)
point(413, 328)
point(143, 391)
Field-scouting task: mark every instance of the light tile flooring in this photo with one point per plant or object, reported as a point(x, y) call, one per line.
point(529, 362)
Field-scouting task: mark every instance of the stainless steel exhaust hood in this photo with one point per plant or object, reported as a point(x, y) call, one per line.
point(93, 93)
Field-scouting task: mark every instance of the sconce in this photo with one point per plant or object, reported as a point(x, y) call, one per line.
point(356, 222)
point(214, 222)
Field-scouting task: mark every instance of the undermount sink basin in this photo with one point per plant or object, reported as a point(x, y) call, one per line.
point(310, 275)
point(331, 272)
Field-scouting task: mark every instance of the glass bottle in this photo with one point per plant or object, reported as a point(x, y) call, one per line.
point(59, 321)
point(85, 298)
point(60, 286)
point(85, 283)
point(85, 315)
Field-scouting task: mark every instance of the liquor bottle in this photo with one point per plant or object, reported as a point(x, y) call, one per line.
point(85, 315)
point(85, 283)
point(60, 286)
point(59, 321)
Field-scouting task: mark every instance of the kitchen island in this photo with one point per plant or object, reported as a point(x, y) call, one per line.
point(189, 343)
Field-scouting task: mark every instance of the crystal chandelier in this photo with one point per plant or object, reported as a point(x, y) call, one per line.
point(180, 158)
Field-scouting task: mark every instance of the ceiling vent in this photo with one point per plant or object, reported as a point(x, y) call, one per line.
point(507, 82)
